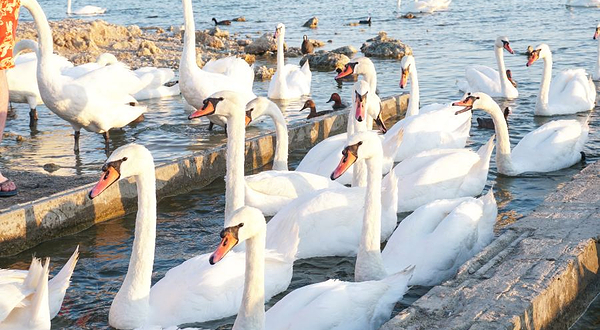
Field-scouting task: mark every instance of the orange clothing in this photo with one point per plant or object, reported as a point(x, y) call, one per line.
point(9, 13)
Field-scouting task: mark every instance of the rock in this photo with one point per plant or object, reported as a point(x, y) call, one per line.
point(216, 32)
point(244, 42)
point(346, 50)
point(239, 19)
point(263, 73)
point(325, 61)
point(316, 43)
point(383, 46)
point(311, 23)
point(206, 39)
point(293, 52)
point(134, 30)
point(264, 44)
point(148, 48)
point(122, 45)
point(51, 167)
point(82, 58)
point(249, 58)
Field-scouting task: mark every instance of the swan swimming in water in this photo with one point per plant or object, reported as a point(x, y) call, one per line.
point(85, 10)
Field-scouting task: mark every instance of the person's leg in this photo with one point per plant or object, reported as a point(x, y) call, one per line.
point(5, 184)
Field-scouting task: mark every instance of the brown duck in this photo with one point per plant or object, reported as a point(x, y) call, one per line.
point(313, 109)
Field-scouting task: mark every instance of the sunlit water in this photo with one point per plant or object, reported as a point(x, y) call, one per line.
point(443, 43)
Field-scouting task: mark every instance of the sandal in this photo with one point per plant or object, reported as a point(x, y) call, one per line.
point(8, 193)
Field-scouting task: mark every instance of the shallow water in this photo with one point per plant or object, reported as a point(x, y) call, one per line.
point(443, 43)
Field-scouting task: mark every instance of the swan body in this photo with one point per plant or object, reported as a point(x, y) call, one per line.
point(289, 81)
point(17, 288)
point(197, 84)
point(570, 91)
point(424, 6)
point(94, 101)
point(153, 82)
point(442, 174)
point(596, 74)
point(85, 10)
point(269, 191)
point(555, 145)
point(102, 60)
point(480, 78)
point(440, 236)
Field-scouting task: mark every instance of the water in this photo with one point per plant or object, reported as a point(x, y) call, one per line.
point(443, 43)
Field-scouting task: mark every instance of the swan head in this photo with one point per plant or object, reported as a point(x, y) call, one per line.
point(540, 52)
point(244, 223)
point(362, 145)
point(25, 44)
point(260, 106)
point(224, 103)
point(474, 101)
point(360, 65)
point(597, 32)
point(361, 92)
point(405, 65)
point(106, 59)
point(502, 42)
point(309, 104)
point(335, 98)
point(129, 160)
point(279, 31)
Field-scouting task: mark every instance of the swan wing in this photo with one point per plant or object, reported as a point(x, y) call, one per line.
point(288, 183)
point(110, 80)
point(482, 78)
point(571, 90)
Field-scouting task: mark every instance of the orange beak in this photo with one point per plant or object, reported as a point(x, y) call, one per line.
point(360, 113)
point(347, 160)
point(534, 56)
point(596, 34)
point(248, 117)
point(109, 177)
point(466, 103)
point(507, 47)
point(380, 123)
point(227, 243)
point(404, 78)
point(206, 110)
point(346, 72)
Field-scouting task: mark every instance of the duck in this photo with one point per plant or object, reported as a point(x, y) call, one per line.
point(20, 288)
point(510, 78)
point(425, 6)
point(271, 190)
point(481, 78)
point(22, 80)
point(555, 145)
point(489, 123)
point(337, 102)
point(322, 157)
point(596, 74)
point(224, 22)
point(192, 291)
point(367, 21)
point(95, 101)
point(307, 46)
point(85, 10)
point(570, 92)
point(195, 84)
point(289, 81)
point(350, 305)
point(430, 127)
point(310, 104)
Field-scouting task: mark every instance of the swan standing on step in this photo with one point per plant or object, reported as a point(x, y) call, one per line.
point(481, 78)
point(290, 81)
point(350, 306)
point(94, 101)
point(18, 289)
point(555, 145)
point(597, 37)
point(85, 10)
point(424, 6)
point(570, 92)
point(197, 84)
point(269, 191)
point(431, 127)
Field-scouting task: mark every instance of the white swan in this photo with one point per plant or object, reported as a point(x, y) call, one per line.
point(85, 10)
point(290, 81)
point(153, 82)
point(422, 180)
point(481, 78)
point(433, 126)
point(571, 91)
point(596, 74)
point(102, 60)
point(327, 305)
point(269, 191)
point(94, 101)
point(17, 287)
point(424, 6)
point(196, 84)
point(554, 145)
point(22, 80)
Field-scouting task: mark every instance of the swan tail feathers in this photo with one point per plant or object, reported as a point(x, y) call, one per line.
point(57, 286)
point(485, 151)
point(306, 68)
point(488, 219)
point(40, 315)
point(398, 286)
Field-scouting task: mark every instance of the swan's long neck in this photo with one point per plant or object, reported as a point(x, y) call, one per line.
point(131, 304)
point(68, 6)
point(188, 56)
point(503, 154)
point(45, 43)
point(370, 76)
point(598, 61)
point(542, 100)
point(369, 263)
point(280, 159)
point(501, 69)
point(234, 183)
point(280, 51)
point(251, 315)
point(413, 102)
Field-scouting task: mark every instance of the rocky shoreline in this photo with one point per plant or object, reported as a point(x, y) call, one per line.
point(82, 41)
